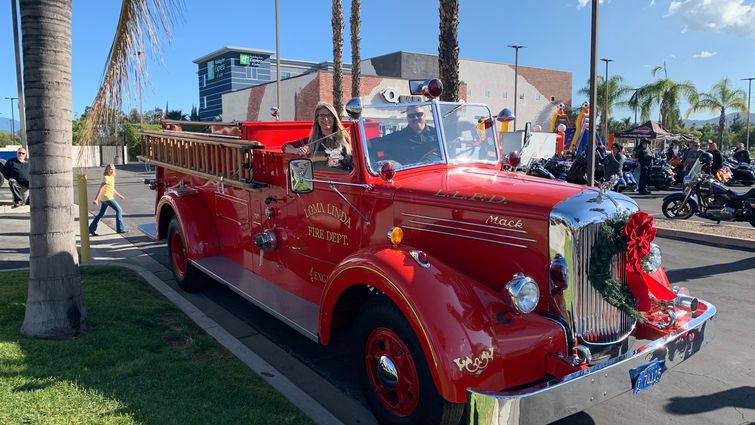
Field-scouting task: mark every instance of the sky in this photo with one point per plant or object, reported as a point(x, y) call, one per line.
point(701, 41)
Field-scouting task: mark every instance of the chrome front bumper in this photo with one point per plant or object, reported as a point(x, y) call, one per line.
point(586, 388)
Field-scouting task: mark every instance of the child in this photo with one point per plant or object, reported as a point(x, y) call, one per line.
point(106, 194)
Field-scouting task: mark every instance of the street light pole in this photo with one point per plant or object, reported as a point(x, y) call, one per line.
point(605, 104)
point(593, 94)
point(19, 79)
point(278, 64)
point(139, 83)
point(12, 119)
point(749, 92)
point(516, 48)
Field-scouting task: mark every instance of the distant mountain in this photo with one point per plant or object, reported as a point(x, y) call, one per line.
point(5, 124)
point(714, 121)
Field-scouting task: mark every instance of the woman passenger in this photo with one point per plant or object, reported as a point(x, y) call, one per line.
point(328, 138)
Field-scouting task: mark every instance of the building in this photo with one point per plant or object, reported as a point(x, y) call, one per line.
point(235, 96)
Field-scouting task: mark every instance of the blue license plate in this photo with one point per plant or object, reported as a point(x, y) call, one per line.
point(646, 376)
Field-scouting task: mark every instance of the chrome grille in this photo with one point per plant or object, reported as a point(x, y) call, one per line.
point(595, 321)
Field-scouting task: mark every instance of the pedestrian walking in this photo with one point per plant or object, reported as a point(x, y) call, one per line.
point(106, 198)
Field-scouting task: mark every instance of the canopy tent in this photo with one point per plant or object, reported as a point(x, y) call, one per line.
point(652, 130)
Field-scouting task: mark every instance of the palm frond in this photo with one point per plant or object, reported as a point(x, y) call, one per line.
point(143, 25)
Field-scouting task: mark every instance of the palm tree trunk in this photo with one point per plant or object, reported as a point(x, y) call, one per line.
point(54, 304)
point(721, 124)
point(355, 56)
point(448, 49)
point(337, 23)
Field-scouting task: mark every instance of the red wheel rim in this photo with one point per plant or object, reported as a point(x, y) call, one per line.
point(178, 254)
point(402, 397)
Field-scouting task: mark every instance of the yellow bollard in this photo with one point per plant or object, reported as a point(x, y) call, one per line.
point(83, 218)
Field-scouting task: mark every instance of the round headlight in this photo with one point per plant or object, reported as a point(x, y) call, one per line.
point(524, 293)
point(652, 262)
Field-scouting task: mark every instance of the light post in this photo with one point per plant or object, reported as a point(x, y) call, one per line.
point(605, 104)
point(516, 48)
point(749, 92)
point(139, 83)
point(12, 119)
point(593, 94)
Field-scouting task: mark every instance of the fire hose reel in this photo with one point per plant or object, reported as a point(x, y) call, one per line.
point(265, 241)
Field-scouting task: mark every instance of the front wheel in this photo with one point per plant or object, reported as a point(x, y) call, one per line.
point(187, 276)
point(677, 209)
point(396, 379)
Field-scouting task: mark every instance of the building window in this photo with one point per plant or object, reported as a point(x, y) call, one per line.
point(203, 83)
point(521, 96)
point(537, 97)
point(469, 92)
point(505, 95)
point(251, 73)
point(210, 70)
point(487, 93)
point(285, 74)
point(204, 102)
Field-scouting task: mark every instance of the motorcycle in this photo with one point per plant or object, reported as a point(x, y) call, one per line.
point(558, 167)
point(661, 175)
point(741, 173)
point(705, 196)
point(536, 168)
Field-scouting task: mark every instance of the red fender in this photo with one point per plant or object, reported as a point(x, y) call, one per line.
point(468, 333)
point(196, 221)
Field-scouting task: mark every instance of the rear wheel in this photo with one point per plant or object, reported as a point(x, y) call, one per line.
point(396, 379)
point(187, 276)
point(677, 209)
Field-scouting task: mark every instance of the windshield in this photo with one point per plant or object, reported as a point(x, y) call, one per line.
point(412, 135)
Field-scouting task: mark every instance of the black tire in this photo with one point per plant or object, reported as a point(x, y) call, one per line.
point(381, 318)
point(748, 183)
point(671, 209)
point(188, 277)
point(664, 185)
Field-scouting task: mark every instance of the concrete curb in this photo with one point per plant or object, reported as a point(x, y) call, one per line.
point(689, 236)
point(263, 369)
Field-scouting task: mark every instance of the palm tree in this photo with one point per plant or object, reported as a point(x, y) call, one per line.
point(720, 98)
point(337, 23)
point(617, 90)
point(666, 93)
point(355, 39)
point(54, 304)
point(448, 49)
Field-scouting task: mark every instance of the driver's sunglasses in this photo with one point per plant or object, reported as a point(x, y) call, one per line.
point(416, 115)
point(21, 153)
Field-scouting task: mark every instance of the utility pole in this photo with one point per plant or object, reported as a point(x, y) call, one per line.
point(516, 48)
point(19, 79)
point(12, 119)
point(139, 84)
point(278, 62)
point(593, 95)
point(749, 92)
point(605, 104)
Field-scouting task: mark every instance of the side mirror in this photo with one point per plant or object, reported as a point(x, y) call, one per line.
point(354, 108)
point(300, 176)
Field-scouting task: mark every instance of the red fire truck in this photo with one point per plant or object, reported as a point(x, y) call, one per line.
point(467, 285)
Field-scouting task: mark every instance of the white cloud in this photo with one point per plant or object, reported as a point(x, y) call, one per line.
point(652, 3)
point(673, 56)
point(731, 16)
point(704, 54)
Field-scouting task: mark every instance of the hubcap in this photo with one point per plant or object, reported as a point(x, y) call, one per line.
point(392, 372)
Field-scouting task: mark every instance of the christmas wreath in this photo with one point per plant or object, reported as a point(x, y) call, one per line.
point(630, 234)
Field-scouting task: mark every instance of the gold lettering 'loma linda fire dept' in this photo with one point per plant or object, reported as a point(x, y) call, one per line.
point(328, 209)
point(475, 365)
point(480, 197)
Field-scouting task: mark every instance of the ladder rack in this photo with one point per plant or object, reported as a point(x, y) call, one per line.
point(225, 159)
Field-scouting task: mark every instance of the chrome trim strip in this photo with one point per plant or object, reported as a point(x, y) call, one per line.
point(470, 230)
point(257, 302)
point(335, 183)
point(583, 389)
point(463, 236)
point(468, 223)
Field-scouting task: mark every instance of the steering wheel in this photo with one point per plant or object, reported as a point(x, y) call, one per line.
point(465, 147)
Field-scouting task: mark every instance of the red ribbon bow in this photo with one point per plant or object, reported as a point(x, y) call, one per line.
point(638, 233)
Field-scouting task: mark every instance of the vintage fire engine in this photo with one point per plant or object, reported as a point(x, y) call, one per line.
point(466, 285)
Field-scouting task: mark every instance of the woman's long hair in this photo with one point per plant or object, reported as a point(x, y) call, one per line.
point(340, 136)
point(107, 167)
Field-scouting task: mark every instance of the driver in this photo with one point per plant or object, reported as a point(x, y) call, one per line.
point(412, 143)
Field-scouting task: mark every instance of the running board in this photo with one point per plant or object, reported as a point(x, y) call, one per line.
point(296, 312)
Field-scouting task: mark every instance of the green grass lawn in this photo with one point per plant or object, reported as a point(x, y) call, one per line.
point(139, 361)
